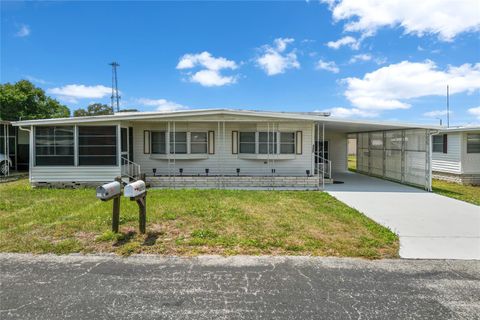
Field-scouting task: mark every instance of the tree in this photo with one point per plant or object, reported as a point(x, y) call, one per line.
point(24, 101)
point(94, 109)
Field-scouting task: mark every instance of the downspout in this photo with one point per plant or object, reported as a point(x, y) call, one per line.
point(30, 156)
point(430, 134)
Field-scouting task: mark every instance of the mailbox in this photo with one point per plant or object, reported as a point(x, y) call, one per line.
point(109, 190)
point(135, 189)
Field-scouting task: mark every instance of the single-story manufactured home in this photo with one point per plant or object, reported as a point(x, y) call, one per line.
point(222, 148)
point(456, 155)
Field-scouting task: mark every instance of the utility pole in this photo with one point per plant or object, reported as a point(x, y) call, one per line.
point(115, 96)
point(448, 108)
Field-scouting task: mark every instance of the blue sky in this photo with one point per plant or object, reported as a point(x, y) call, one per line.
point(371, 59)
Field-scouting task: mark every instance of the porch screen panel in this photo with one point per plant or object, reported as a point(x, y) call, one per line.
point(362, 153)
point(376, 153)
point(97, 146)
point(403, 155)
point(393, 155)
point(416, 166)
point(54, 146)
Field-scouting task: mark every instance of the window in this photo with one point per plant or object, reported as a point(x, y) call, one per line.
point(54, 146)
point(473, 143)
point(159, 145)
point(267, 142)
point(97, 146)
point(287, 142)
point(198, 142)
point(178, 142)
point(247, 142)
point(439, 143)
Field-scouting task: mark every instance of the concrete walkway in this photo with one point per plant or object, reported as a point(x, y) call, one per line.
point(430, 226)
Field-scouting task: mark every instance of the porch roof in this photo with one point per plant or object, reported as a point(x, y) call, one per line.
point(331, 123)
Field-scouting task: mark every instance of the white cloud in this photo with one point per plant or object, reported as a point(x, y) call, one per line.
point(161, 104)
point(274, 60)
point(327, 65)
point(360, 57)
point(390, 87)
point(475, 112)
point(73, 92)
point(210, 73)
point(436, 113)
point(206, 60)
point(211, 78)
point(35, 79)
point(444, 18)
point(341, 112)
point(345, 41)
point(23, 31)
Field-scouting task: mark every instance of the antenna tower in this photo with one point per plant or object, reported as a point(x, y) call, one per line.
point(115, 95)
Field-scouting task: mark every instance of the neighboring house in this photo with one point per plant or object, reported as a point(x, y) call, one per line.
point(221, 148)
point(13, 146)
point(456, 155)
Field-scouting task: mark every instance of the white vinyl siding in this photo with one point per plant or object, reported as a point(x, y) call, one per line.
point(449, 162)
point(470, 161)
point(223, 161)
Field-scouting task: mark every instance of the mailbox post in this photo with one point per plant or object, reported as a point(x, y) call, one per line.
point(137, 191)
point(109, 191)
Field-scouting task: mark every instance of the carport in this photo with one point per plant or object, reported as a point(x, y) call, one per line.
point(391, 151)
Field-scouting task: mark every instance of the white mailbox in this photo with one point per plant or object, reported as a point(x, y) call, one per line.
point(109, 190)
point(135, 189)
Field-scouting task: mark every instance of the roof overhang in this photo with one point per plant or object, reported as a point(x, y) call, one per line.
point(461, 129)
point(331, 124)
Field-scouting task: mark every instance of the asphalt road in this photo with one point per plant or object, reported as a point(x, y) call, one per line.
point(210, 287)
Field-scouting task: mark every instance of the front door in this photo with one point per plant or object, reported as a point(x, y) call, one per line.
point(124, 143)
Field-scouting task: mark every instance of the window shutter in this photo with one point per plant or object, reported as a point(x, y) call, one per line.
point(146, 142)
point(211, 142)
point(299, 142)
point(234, 142)
point(445, 143)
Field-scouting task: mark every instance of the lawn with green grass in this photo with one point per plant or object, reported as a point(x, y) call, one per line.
point(189, 222)
point(457, 191)
point(352, 163)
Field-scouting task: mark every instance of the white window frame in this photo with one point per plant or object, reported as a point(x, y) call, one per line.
point(278, 143)
point(168, 142)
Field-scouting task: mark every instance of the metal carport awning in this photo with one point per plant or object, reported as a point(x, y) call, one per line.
point(399, 155)
point(394, 151)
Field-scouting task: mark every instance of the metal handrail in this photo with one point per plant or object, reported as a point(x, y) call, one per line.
point(130, 168)
point(324, 163)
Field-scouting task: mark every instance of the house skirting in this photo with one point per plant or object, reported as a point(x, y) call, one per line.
point(473, 179)
point(67, 184)
point(235, 182)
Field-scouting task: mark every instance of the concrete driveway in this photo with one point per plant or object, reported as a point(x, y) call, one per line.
point(430, 226)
